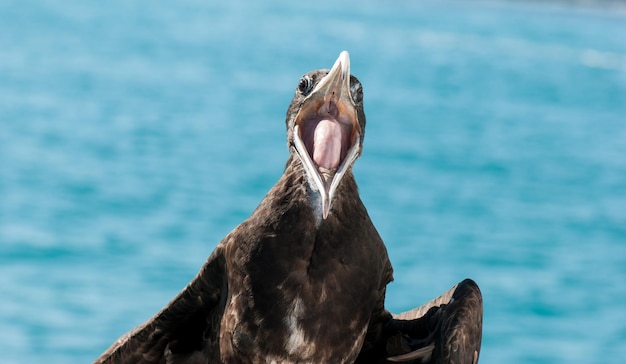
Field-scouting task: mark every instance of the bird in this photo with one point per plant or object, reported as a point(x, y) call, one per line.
point(303, 279)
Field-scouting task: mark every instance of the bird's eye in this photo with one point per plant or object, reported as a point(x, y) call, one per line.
point(305, 85)
point(356, 91)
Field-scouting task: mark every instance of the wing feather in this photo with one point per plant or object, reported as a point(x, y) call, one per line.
point(184, 329)
point(450, 326)
point(445, 330)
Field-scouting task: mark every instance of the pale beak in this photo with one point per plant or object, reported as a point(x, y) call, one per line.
point(327, 132)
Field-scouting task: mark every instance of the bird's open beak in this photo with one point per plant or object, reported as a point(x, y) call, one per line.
point(327, 132)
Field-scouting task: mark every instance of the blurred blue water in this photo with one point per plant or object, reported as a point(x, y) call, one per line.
point(134, 135)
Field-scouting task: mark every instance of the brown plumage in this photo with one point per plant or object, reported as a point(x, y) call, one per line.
point(303, 279)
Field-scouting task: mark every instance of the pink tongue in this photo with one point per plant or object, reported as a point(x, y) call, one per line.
point(327, 144)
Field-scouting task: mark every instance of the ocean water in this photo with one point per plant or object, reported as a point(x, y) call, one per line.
point(135, 134)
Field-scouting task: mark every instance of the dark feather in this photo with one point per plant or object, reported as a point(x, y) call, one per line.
point(303, 279)
point(183, 329)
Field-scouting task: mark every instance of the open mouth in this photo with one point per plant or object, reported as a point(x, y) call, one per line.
point(327, 132)
point(327, 136)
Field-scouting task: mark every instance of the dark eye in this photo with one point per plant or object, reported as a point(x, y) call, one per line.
point(305, 85)
point(356, 91)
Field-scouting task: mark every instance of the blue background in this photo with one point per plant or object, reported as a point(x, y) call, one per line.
point(135, 134)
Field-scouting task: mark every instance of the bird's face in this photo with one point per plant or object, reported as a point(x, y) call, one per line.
point(325, 125)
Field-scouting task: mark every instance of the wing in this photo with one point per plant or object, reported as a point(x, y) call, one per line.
point(185, 330)
point(446, 330)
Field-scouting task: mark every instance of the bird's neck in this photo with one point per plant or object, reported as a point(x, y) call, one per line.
point(293, 198)
point(296, 183)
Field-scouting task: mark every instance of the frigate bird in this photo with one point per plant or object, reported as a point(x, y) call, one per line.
point(303, 279)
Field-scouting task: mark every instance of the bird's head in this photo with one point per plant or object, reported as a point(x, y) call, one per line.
point(325, 127)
